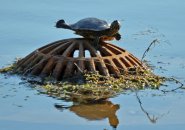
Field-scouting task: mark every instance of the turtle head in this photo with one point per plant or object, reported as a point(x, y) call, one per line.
point(115, 26)
point(61, 24)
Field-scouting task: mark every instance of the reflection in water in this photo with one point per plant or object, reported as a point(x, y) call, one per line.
point(103, 110)
point(153, 118)
point(98, 111)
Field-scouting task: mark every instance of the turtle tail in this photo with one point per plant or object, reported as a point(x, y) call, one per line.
point(62, 24)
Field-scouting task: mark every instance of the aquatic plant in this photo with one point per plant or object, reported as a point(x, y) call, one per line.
point(97, 87)
point(8, 68)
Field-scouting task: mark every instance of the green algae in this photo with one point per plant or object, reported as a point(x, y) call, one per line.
point(7, 68)
point(97, 87)
point(10, 68)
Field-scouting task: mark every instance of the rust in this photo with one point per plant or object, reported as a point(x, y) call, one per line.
point(59, 60)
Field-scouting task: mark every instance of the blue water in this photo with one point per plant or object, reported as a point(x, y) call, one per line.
point(26, 25)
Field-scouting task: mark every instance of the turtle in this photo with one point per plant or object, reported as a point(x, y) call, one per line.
point(94, 28)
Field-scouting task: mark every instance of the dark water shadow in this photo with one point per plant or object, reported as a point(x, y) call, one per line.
point(96, 111)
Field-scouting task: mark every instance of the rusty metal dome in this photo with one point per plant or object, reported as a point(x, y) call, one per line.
point(69, 57)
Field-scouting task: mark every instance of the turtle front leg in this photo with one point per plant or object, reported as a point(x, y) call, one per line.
point(96, 42)
point(117, 36)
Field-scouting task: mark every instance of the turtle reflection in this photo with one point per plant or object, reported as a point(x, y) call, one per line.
point(97, 111)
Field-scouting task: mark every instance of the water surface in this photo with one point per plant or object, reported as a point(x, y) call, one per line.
point(26, 25)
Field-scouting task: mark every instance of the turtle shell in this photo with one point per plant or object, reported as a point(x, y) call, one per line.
point(90, 24)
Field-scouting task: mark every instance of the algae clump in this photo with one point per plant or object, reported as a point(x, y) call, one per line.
point(97, 87)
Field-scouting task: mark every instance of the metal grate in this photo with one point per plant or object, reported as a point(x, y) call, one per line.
point(69, 57)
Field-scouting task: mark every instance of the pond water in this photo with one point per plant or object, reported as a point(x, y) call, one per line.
point(26, 25)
